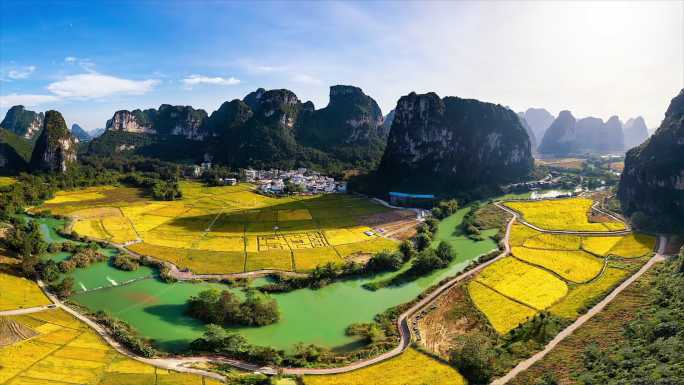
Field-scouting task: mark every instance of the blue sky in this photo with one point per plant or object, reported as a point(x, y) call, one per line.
point(89, 59)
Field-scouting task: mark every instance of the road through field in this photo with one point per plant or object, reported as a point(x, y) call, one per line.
point(524, 365)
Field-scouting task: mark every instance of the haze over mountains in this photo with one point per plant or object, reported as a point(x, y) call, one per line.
point(566, 135)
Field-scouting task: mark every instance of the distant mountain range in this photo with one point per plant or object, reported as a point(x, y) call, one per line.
point(425, 144)
point(568, 135)
point(80, 134)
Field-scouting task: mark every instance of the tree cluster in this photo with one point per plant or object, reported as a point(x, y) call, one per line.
point(225, 308)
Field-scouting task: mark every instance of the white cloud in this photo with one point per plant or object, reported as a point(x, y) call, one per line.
point(70, 59)
point(194, 80)
point(306, 79)
point(20, 73)
point(94, 85)
point(31, 100)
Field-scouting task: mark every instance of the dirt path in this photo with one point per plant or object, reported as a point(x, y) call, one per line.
point(27, 310)
point(524, 365)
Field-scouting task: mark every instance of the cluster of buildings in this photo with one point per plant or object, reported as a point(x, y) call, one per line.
point(550, 181)
point(306, 181)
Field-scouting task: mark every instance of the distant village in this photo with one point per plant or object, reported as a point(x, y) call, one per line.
point(278, 182)
point(301, 180)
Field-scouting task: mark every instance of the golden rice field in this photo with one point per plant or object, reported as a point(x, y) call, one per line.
point(633, 246)
point(572, 265)
point(66, 351)
point(580, 295)
point(515, 288)
point(6, 181)
point(524, 283)
point(17, 292)
point(410, 368)
point(503, 313)
point(226, 229)
point(562, 214)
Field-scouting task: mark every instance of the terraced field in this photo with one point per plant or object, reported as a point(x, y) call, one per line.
point(62, 350)
point(411, 367)
point(228, 229)
point(556, 272)
point(562, 214)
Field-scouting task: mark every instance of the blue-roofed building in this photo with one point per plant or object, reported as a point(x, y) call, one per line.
point(411, 200)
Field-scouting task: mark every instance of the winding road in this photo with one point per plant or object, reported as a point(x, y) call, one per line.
point(180, 363)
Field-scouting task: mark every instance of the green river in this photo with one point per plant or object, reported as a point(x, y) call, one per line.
point(156, 309)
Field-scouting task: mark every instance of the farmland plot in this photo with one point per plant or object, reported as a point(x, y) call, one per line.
point(562, 214)
point(230, 223)
point(66, 351)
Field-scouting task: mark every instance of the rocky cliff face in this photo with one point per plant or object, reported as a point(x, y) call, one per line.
point(136, 121)
point(267, 128)
point(539, 120)
point(452, 143)
point(55, 149)
point(560, 138)
point(182, 121)
point(351, 119)
point(23, 122)
point(635, 132)
point(387, 123)
point(653, 179)
point(79, 133)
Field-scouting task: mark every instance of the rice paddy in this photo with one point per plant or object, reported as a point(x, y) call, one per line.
point(562, 214)
point(226, 229)
point(62, 350)
point(563, 274)
point(523, 283)
point(6, 181)
point(17, 292)
point(503, 313)
point(411, 367)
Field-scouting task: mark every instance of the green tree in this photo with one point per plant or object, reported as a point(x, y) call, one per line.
point(423, 241)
